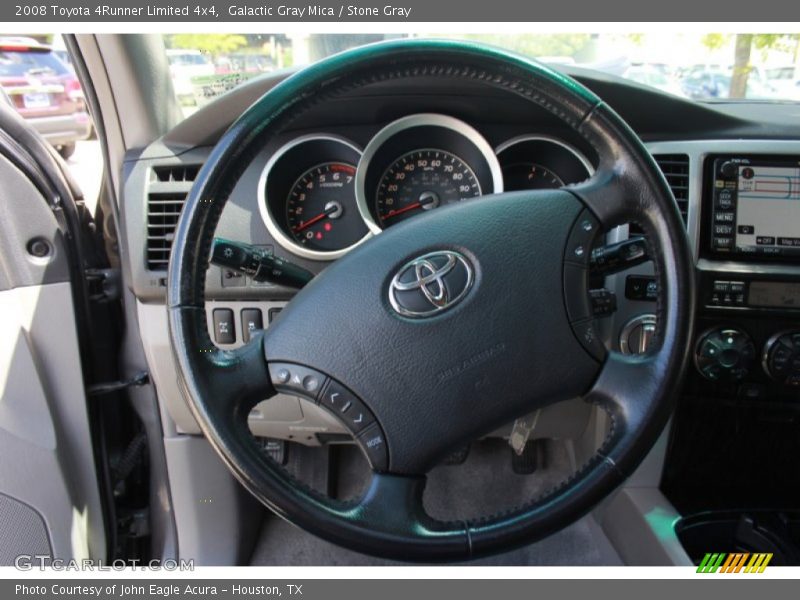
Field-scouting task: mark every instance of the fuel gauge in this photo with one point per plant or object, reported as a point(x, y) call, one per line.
point(538, 162)
point(530, 176)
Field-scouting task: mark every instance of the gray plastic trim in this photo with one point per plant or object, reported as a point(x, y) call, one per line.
point(640, 524)
point(45, 439)
point(217, 519)
point(282, 417)
point(18, 227)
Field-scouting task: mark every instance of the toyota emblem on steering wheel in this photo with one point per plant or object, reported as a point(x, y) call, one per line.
point(430, 284)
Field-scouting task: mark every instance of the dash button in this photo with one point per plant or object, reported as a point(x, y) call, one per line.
point(310, 383)
point(296, 380)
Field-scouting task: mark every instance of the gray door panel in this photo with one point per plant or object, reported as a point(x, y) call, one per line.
point(49, 499)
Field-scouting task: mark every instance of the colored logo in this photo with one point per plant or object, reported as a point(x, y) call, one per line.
point(737, 562)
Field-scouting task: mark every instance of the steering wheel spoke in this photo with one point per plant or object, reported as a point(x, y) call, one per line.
point(624, 381)
point(605, 194)
point(393, 505)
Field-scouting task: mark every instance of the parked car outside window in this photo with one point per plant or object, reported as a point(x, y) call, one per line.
point(45, 92)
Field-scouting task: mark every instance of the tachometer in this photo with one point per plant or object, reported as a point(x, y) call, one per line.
point(423, 180)
point(307, 197)
point(320, 208)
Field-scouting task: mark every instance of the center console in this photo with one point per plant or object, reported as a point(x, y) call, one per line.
point(750, 237)
point(734, 450)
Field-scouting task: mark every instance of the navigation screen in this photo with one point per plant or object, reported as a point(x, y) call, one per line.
point(768, 209)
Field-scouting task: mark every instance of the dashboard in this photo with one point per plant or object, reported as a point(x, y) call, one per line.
point(321, 194)
point(357, 165)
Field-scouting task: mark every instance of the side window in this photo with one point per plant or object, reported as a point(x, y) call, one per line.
point(38, 80)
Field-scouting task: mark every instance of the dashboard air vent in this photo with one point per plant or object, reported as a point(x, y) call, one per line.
point(176, 173)
point(676, 170)
point(169, 186)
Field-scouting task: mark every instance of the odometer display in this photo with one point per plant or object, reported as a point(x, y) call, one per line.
point(423, 180)
point(321, 209)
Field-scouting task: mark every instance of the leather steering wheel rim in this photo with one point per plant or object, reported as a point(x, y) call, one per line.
point(636, 392)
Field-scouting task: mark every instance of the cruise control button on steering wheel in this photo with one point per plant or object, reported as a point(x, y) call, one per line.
point(581, 239)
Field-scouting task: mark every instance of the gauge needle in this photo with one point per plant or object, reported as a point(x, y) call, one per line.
point(425, 201)
point(400, 211)
point(318, 218)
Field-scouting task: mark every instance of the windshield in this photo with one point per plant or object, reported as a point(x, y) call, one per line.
point(187, 58)
point(701, 67)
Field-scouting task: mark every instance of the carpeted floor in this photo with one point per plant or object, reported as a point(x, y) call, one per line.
point(580, 544)
point(482, 485)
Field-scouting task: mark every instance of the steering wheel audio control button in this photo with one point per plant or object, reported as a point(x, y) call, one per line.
point(346, 406)
point(297, 380)
point(589, 337)
point(576, 283)
point(581, 239)
point(373, 443)
point(576, 292)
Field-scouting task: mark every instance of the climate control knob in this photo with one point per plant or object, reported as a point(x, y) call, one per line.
point(724, 354)
point(781, 357)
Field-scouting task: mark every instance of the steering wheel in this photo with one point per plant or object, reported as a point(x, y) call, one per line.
point(443, 327)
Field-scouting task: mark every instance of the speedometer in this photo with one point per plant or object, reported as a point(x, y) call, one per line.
point(419, 163)
point(423, 180)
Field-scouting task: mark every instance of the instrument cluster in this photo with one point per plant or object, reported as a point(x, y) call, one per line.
point(321, 195)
